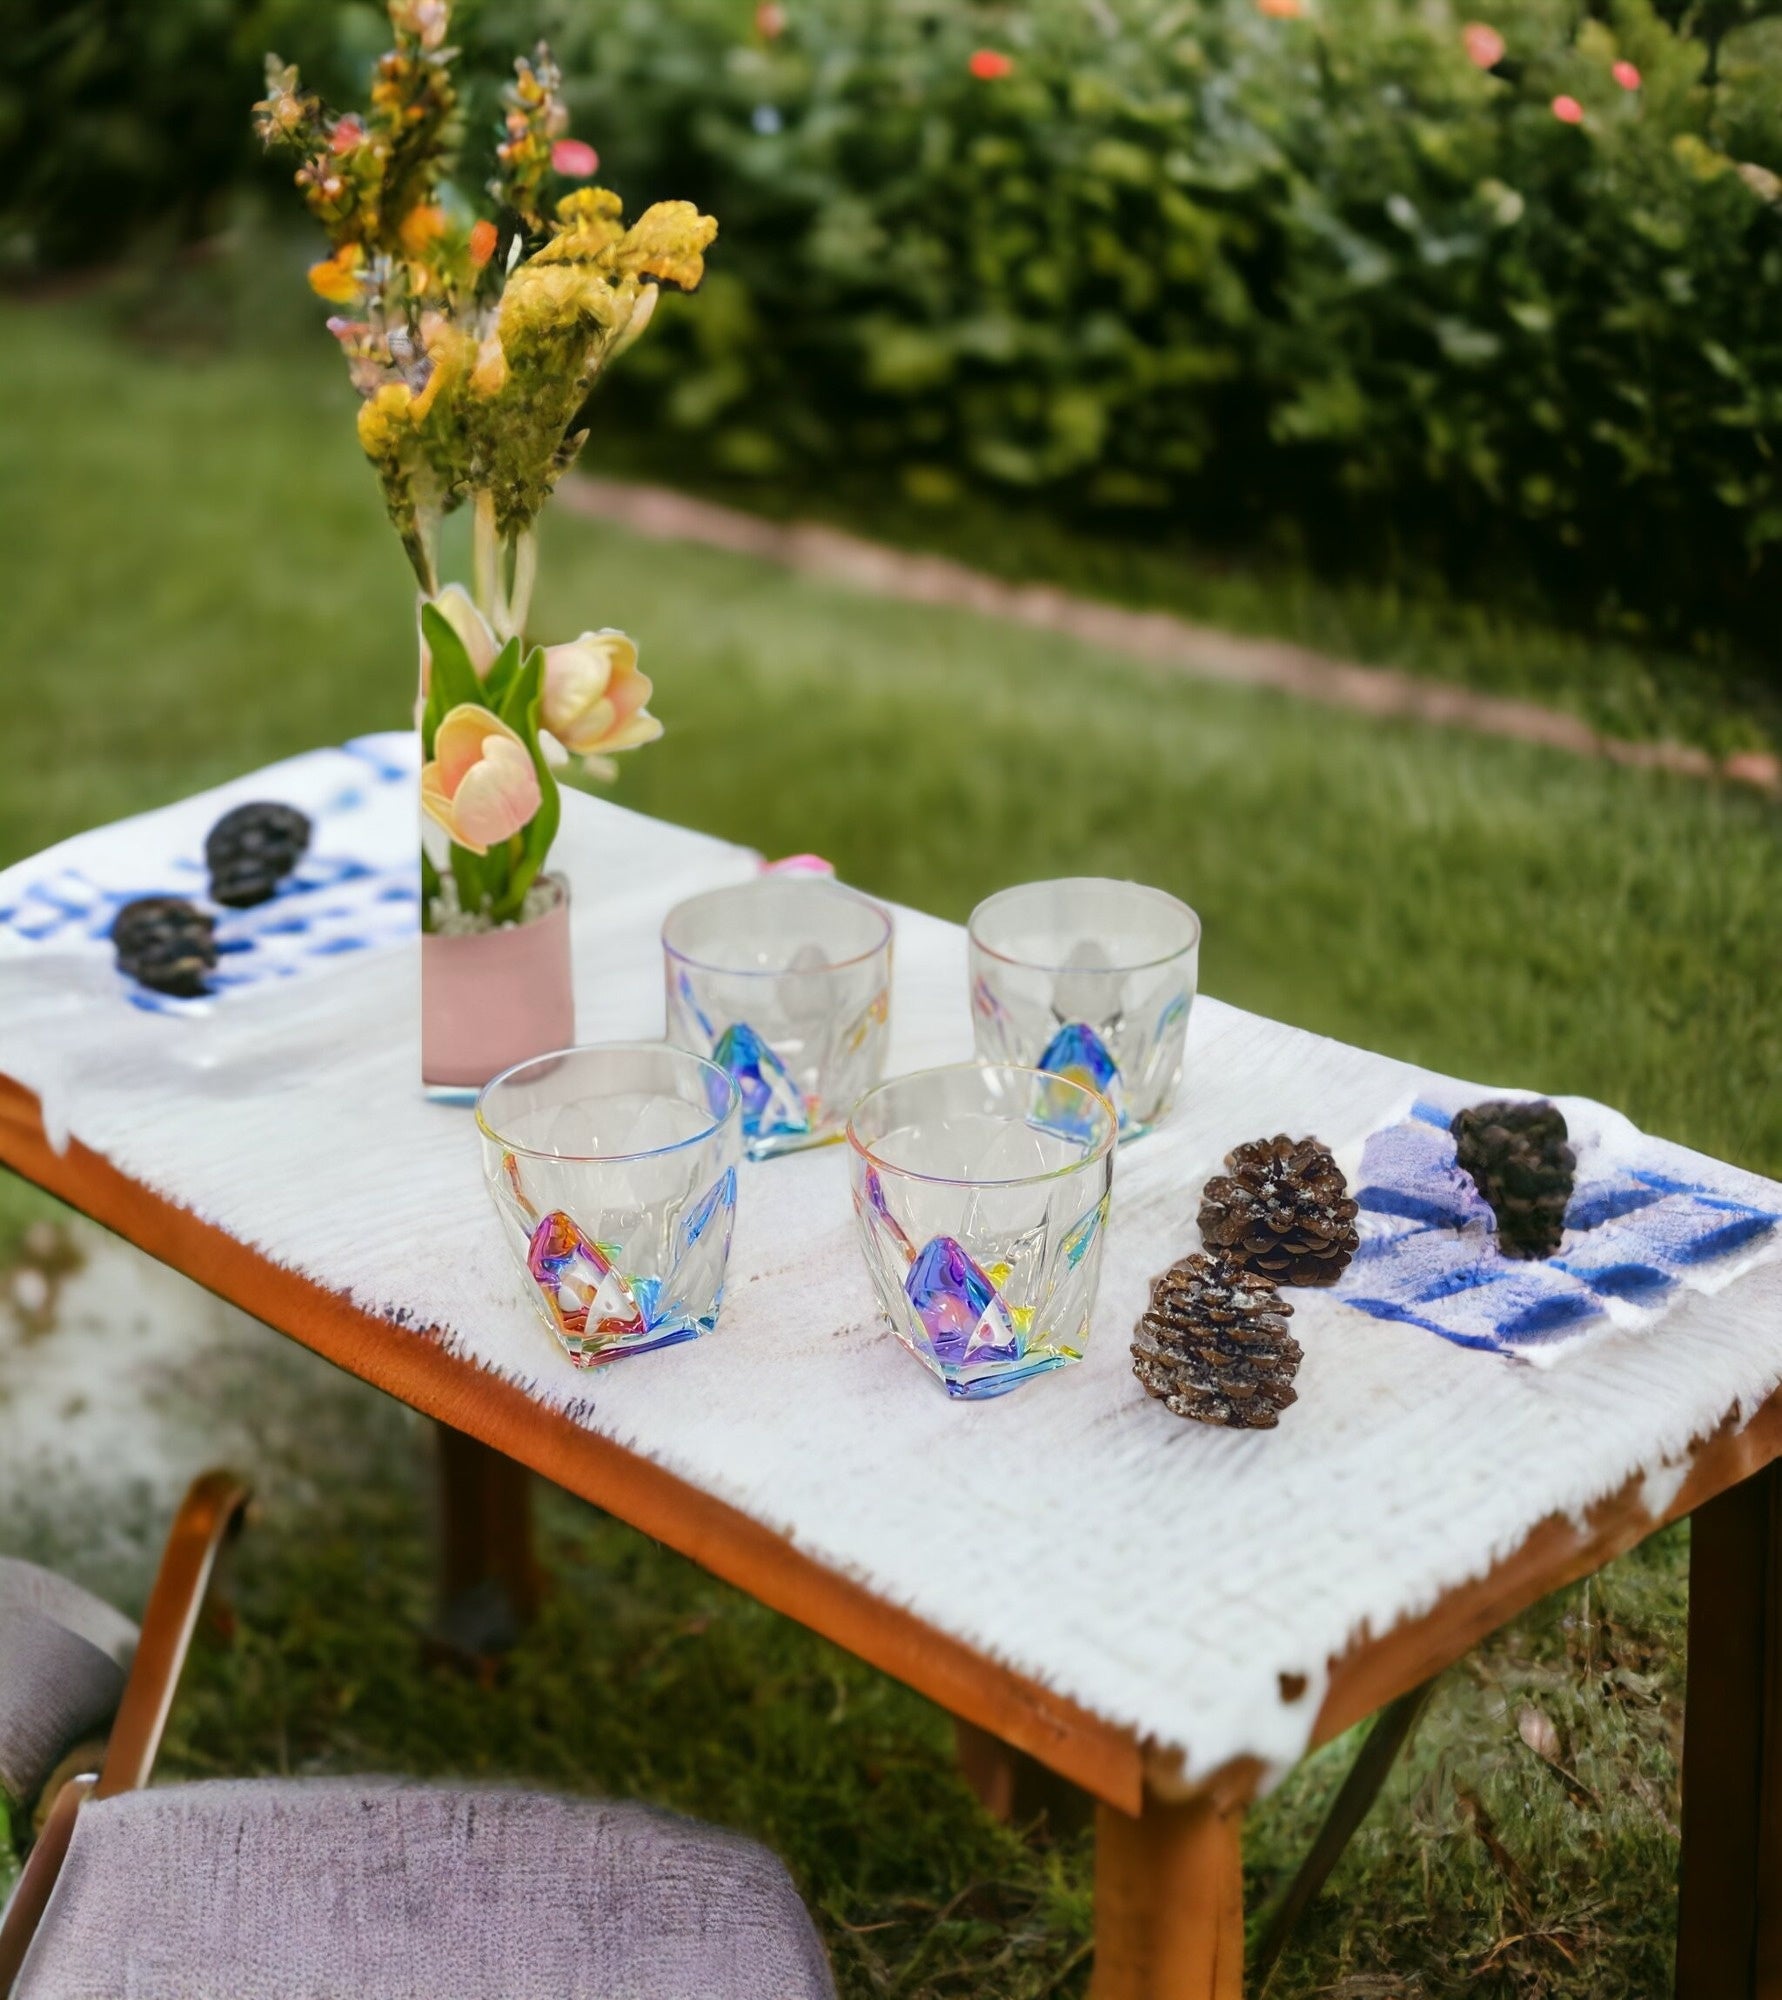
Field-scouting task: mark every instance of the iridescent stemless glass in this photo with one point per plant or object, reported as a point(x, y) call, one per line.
point(1092, 979)
point(613, 1169)
point(787, 984)
point(981, 1192)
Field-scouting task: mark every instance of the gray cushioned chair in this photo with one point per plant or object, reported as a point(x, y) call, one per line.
point(64, 1657)
point(73, 1670)
point(356, 1889)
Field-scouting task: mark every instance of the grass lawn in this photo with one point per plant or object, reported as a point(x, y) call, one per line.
point(198, 580)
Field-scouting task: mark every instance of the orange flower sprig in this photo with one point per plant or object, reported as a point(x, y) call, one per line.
point(473, 342)
point(536, 119)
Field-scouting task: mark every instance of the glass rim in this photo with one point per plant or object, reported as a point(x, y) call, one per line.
point(1088, 882)
point(821, 886)
point(732, 1108)
point(1100, 1151)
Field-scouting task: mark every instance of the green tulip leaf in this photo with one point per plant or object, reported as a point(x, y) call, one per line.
point(452, 680)
point(500, 679)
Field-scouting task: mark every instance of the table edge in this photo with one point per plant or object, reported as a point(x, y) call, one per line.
point(1104, 1759)
point(1557, 1551)
point(1112, 1763)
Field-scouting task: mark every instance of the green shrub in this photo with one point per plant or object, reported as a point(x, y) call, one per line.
point(122, 115)
point(1239, 270)
point(1305, 275)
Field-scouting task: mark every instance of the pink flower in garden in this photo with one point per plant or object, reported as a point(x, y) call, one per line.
point(1626, 75)
point(482, 785)
point(594, 695)
point(770, 20)
point(989, 64)
point(575, 159)
point(1281, 10)
point(347, 134)
point(1484, 45)
point(1568, 110)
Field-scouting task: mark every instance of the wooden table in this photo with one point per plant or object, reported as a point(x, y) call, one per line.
point(1169, 1919)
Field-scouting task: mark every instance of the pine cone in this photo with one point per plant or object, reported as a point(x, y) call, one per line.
point(1213, 1344)
point(1282, 1208)
point(1520, 1162)
point(165, 943)
point(251, 850)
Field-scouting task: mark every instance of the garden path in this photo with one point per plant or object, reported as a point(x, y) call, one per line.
point(1184, 646)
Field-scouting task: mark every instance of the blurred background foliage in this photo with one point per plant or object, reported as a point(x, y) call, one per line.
point(1298, 276)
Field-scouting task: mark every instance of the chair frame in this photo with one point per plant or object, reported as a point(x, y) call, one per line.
point(209, 1517)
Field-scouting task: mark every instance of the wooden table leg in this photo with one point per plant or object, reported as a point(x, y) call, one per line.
point(1014, 1787)
point(489, 1578)
point(1169, 1903)
point(1729, 1925)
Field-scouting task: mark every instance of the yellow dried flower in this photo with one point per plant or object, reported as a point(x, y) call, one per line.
point(548, 304)
point(386, 420)
point(587, 223)
point(489, 376)
point(667, 242)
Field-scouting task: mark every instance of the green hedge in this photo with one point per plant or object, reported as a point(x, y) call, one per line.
point(1313, 278)
point(1205, 263)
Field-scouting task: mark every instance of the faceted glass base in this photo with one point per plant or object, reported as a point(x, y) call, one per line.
point(662, 1334)
point(1091, 980)
point(785, 984)
point(981, 1195)
point(979, 1385)
point(613, 1171)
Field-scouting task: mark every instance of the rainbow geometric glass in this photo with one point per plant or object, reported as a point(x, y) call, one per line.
point(773, 1105)
point(613, 1172)
point(981, 1193)
point(1091, 979)
point(786, 983)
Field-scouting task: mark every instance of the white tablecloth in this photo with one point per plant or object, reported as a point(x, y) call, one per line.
point(1165, 1575)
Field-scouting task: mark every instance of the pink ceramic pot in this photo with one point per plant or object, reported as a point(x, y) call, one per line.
point(496, 997)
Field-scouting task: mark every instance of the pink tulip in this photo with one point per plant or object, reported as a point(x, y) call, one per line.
point(575, 159)
point(1484, 45)
point(594, 695)
point(1568, 110)
point(481, 786)
point(1626, 75)
point(455, 606)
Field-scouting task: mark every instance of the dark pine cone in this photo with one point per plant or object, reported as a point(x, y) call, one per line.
point(251, 850)
point(1520, 1162)
point(1282, 1208)
point(165, 943)
point(1214, 1345)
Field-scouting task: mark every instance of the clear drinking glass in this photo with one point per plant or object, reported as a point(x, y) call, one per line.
point(613, 1169)
point(981, 1192)
point(1092, 979)
point(785, 982)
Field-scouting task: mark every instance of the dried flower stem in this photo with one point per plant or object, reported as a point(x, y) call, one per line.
point(525, 548)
